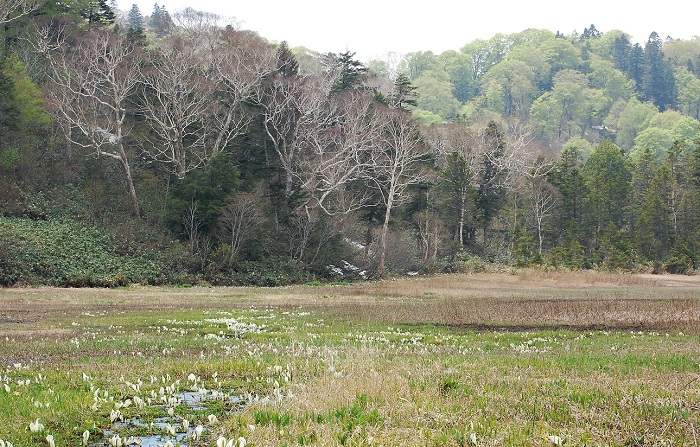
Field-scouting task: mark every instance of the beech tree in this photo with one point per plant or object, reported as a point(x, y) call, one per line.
point(280, 99)
point(688, 92)
point(570, 107)
point(194, 97)
point(398, 162)
point(238, 223)
point(322, 135)
point(509, 87)
point(176, 98)
point(198, 25)
point(11, 10)
point(338, 156)
point(633, 119)
point(542, 200)
point(240, 62)
point(91, 83)
point(436, 94)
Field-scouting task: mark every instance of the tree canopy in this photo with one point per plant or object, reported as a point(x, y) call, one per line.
point(213, 155)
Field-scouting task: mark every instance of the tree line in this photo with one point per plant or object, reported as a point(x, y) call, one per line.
point(589, 86)
point(222, 157)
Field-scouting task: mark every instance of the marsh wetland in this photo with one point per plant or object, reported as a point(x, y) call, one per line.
point(525, 359)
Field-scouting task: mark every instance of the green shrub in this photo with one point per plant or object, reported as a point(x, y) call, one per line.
point(9, 159)
point(68, 254)
point(678, 264)
point(469, 264)
point(9, 267)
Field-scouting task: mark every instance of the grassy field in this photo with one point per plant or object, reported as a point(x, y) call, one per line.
point(528, 359)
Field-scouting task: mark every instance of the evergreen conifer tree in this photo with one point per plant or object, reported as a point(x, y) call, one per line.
point(161, 23)
point(404, 96)
point(97, 12)
point(352, 72)
point(657, 77)
point(135, 19)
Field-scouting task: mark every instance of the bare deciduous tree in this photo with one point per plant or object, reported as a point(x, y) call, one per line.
point(240, 62)
point(322, 139)
point(338, 152)
point(196, 87)
point(175, 101)
point(199, 26)
point(238, 222)
point(456, 158)
point(299, 232)
point(399, 162)
point(515, 158)
point(192, 224)
point(543, 199)
point(294, 110)
point(92, 80)
point(429, 228)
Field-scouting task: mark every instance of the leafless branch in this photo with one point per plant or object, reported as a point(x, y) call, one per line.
point(91, 82)
point(13, 9)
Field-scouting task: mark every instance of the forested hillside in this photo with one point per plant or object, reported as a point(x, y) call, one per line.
point(176, 148)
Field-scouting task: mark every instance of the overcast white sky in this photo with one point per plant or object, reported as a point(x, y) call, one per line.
point(372, 28)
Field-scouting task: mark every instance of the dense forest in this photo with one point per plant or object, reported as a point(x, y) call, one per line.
point(179, 149)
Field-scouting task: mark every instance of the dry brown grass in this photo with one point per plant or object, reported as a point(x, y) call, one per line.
point(530, 299)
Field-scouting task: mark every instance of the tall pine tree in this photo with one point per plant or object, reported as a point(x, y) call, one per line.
point(135, 23)
point(568, 178)
point(658, 83)
point(135, 19)
point(352, 73)
point(404, 96)
point(97, 12)
point(161, 23)
point(635, 68)
point(609, 179)
point(491, 191)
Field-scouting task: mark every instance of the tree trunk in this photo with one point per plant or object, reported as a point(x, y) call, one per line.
point(289, 182)
point(368, 238)
point(179, 159)
point(136, 211)
point(384, 235)
point(462, 211)
point(69, 143)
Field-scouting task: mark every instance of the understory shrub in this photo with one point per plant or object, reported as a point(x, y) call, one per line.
point(68, 254)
